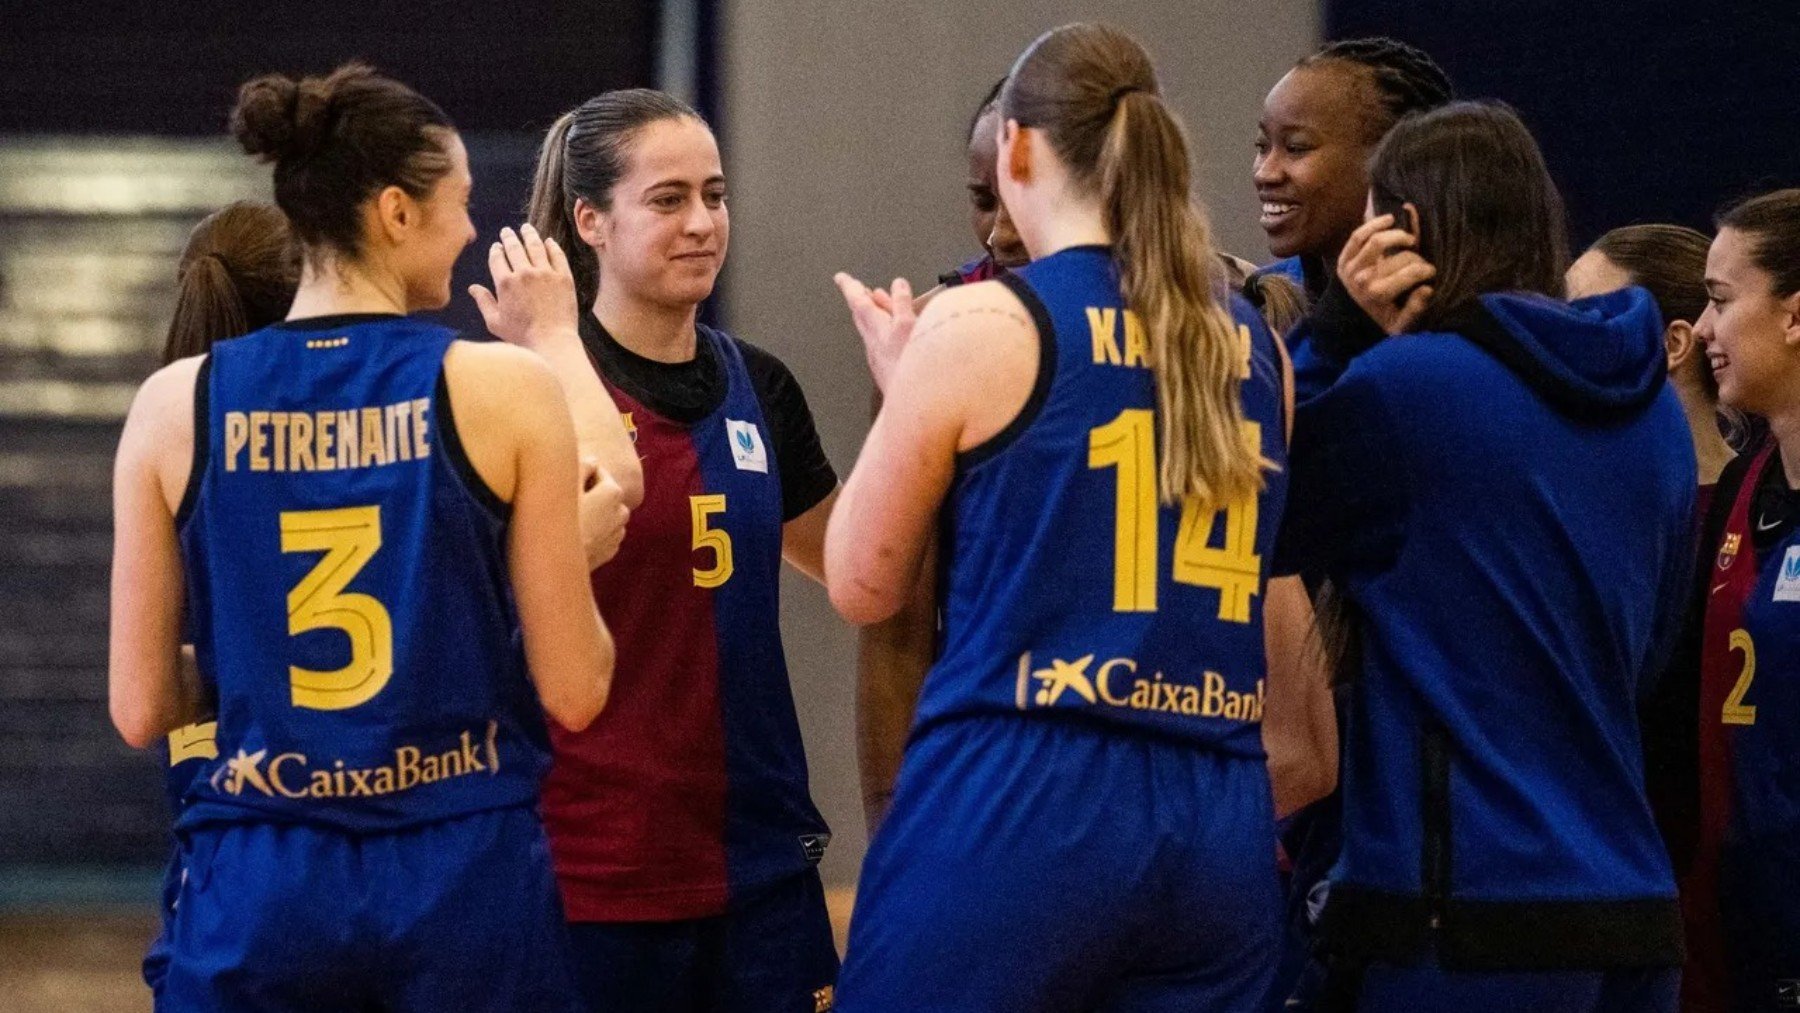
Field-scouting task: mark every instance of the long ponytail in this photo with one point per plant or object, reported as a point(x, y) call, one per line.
point(1164, 253)
point(583, 157)
point(1093, 91)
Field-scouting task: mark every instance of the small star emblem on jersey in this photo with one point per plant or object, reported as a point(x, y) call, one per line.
point(246, 768)
point(1062, 676)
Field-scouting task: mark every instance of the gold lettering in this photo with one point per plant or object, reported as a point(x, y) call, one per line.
point(399, 429)
point(1137, 349)
point(346, 437)
point(1103, 679)
point(384, 781)
point(275, 775)
point(278, 430)
point(259, 441)
point(421, 448)
point(321, 784)
point(406, 762)
point(431, 771)
point(300, 442)
point(323, 451)
point(1190, 701)
point(470, 762)
point(1101, 324)
point(237, 434)
point(1214, 705)
point(373, 449)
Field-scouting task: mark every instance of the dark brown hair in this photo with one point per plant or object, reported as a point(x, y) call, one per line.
point(1092, 91)
point(1772, 222)
point(1669, 260)
point(237, 274)
point(1490, 218)
point(584, 156)
point(337, 140)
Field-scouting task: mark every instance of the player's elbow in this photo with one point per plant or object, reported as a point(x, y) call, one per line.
point(138, 724)
point(860, 602)
point(578, 700)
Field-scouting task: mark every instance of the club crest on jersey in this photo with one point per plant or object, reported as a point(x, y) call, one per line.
point(1787, 582)
point(1728, 551)
point(630, 426)
point(747, 450)
point(1119, 683)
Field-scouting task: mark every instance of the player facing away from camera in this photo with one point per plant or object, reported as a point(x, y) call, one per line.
point(236, 274)
point(1083, 817)
point(684, 834)
point(373, 526)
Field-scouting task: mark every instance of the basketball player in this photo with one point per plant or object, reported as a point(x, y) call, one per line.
point(1750, 663)
point(1670, 262)
point(237, 274)
point(1505, 496)
point(1083, 817)
point(685, 840)
point(362, 514)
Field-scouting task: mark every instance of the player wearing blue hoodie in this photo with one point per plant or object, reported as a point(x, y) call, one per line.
point(1504, 492)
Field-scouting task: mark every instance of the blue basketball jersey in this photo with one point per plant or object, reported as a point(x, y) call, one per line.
point(347, 587)
point(1068, 586)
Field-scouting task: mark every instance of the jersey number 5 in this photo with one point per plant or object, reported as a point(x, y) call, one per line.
point(1128, 443)
point(708, 537)
point(348, 537)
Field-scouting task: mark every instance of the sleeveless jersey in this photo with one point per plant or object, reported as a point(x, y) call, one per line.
point(348, 596)
point(1070, 590)
point(691, 787)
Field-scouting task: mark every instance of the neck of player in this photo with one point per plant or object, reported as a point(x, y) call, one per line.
point(1785, 425)
point(1069, 221)
point(335, 285)
point(661, 333)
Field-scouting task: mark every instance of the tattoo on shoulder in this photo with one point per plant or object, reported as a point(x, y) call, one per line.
point(978, 311)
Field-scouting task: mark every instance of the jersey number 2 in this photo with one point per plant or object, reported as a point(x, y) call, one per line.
point(1735, 711)
point(349, 538)
point(1128, 443)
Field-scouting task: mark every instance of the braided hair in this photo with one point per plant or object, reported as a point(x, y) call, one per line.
point(1407, 80)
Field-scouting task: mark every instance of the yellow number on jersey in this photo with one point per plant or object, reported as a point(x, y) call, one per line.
point(349, 538)
point(194, 742)
point(1234, 568)
point(707, 537)
point(1735, 711)
point(1128, 443)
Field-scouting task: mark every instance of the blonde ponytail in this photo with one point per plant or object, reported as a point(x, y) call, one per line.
point(1166, 262)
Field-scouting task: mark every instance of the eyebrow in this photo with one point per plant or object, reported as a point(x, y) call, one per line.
point(682, 183)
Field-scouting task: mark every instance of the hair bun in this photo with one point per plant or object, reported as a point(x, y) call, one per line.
point(278, 118)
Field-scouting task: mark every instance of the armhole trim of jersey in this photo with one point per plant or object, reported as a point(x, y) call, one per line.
point(459, 458)
point(190, 496)
point(1040, 389)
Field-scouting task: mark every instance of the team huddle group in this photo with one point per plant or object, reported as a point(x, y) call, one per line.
point(466, 653)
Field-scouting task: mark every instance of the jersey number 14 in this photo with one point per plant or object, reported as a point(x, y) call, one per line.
point(1128, 443)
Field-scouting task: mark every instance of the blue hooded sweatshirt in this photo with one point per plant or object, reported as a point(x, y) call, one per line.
point(1507, 504)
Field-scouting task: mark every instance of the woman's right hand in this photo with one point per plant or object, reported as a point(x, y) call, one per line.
point(885, 320)
point(1381, 269)
point(532, 304)
point(603, 514)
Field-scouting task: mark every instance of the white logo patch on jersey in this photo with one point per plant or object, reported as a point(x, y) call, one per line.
point(1787, 582)
point(747, 451)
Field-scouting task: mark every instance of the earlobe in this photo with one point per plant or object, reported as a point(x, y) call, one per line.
point(1792, 332)
point(395, 209)
point(1679, 342)
point(589, 222)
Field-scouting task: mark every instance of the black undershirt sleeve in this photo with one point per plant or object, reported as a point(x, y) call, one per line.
point(806, 475)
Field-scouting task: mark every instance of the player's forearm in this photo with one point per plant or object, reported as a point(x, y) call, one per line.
point(892, 658)
point(599, 431)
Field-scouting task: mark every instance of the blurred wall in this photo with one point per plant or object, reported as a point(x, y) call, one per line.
point(844, 147)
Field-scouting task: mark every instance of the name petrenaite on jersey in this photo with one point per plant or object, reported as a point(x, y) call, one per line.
point(1117, 683)
point(291, 775)
point(329, 440)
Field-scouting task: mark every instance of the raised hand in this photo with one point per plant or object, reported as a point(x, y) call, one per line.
point(532, 302)
point(1381, 269)
point(884, 318)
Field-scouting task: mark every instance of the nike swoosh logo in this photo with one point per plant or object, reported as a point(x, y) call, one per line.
point(1719, 587)
point(1760, 526)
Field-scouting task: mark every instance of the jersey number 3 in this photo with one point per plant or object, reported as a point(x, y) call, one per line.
point(1128, 443)
point(349, 538)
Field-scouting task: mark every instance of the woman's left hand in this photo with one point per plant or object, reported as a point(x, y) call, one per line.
point(532, 304)
point(1381, 269)
point(885, 320)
